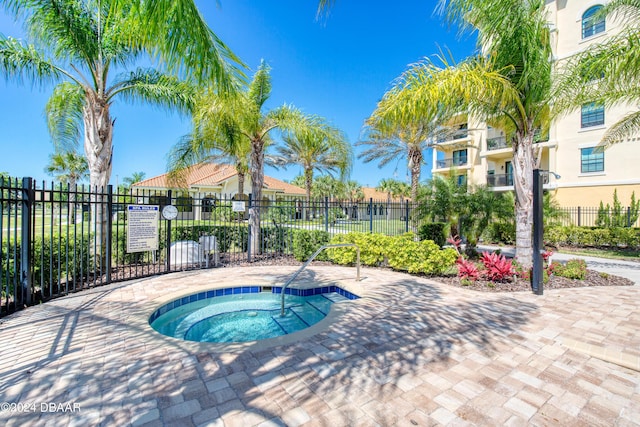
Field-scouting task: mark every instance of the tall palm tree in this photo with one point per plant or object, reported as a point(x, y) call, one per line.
point(324, 149)
point(510, 80)
point(243, 118)
point(68, 168)
point(607, 72)
point(397, 135)
point(79, 43)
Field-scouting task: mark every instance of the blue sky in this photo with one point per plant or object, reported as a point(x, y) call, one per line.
point(338, 68)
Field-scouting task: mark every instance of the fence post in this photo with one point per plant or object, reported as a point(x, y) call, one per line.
point(109, 242)
point(370, 214)
point(406, 216)
point(25, 246)
point(168, 237)
point(249, 228)
point(579, 216)
point(326, 214)
point(628, 216)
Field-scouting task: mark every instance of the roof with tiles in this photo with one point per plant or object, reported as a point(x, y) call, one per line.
point(214, 175)
point(372, 193)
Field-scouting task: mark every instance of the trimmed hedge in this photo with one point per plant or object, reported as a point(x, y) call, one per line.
point(436, 231)
point(592, 237)
point(398, 252)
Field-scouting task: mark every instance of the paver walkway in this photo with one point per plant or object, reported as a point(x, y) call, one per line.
point(410, 353)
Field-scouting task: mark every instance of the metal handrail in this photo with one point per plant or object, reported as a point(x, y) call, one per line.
point(311, 258)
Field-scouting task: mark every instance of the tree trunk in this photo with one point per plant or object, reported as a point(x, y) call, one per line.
point(523, 188)
point(98, 148)
point(257, 182)
point(416, 164)
point(308, 182)
point(240, 182)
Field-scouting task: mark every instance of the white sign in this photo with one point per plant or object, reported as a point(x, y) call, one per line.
point(142, 228)
point(237, 206)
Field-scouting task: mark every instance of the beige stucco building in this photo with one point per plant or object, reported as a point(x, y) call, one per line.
point(482, 155)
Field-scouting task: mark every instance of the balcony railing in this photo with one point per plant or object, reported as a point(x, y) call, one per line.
point(449, 163)
point(497, 143)
point(506, 180)
point(502, 142)
point(459, 134)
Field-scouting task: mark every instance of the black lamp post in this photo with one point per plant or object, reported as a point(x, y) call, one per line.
point(538, 230)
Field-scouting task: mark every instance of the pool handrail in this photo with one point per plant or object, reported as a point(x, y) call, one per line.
point(311, 258)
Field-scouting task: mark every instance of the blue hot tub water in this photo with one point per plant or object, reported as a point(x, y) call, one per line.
point(244, 314)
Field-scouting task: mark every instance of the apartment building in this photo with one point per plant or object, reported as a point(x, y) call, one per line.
point(479, 154)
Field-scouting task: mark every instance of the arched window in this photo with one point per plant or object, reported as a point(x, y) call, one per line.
point(592, 22)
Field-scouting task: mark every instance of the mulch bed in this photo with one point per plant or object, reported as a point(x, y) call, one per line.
point(594, 278)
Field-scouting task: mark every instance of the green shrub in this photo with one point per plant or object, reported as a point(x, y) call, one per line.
point(405, 254)
point(573, 269)
point(372, 248)
point(436, 231)
point(502, 232)
point(592, 237)
point(306, 242)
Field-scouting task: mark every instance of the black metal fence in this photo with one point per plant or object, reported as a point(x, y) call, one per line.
point(58, 240)
point(582, 216)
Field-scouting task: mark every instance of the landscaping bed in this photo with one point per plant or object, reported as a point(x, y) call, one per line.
point(594, 278)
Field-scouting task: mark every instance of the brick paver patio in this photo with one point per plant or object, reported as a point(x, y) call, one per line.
point(410, 353)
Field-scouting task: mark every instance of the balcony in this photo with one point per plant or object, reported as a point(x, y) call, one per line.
point(501, 180)
point(458, 134)
point(450, 163)
point(506, 180)
point(497, 143)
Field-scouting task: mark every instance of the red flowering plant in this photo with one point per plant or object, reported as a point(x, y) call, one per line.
point(456, 242)
point(467, 270)
point(497, 267)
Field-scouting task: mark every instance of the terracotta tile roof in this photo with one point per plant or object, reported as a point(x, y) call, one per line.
point(214, 175)
point(276, 184)
point(372, 193)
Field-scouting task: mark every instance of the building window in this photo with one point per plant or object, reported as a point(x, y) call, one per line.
point(459, 157)
point(592, 23)
point(592, 114)
point(591, 160)
point(461, 180)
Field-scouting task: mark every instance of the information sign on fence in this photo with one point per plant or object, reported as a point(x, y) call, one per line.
point(142, 228)
point(237, 206)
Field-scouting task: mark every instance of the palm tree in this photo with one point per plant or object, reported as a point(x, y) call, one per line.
point(68, 168)
point(83, 41)
point(324, 149)
point(510, 80)
point(607, 72)
point(78, 43)
point(399, 134)
point(393, 188)
point(242, 118)
point(128, 181)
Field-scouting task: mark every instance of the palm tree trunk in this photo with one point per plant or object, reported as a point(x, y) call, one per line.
point(241, 177)
point(98, 134)
point(416, 164)
point(308, 182)
point(257, 182)
point(523, 188)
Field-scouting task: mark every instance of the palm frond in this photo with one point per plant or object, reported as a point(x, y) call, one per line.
point(64, 115)
point(176, 32)
point(626, 129)
point(20, 61)
point(151, 86)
